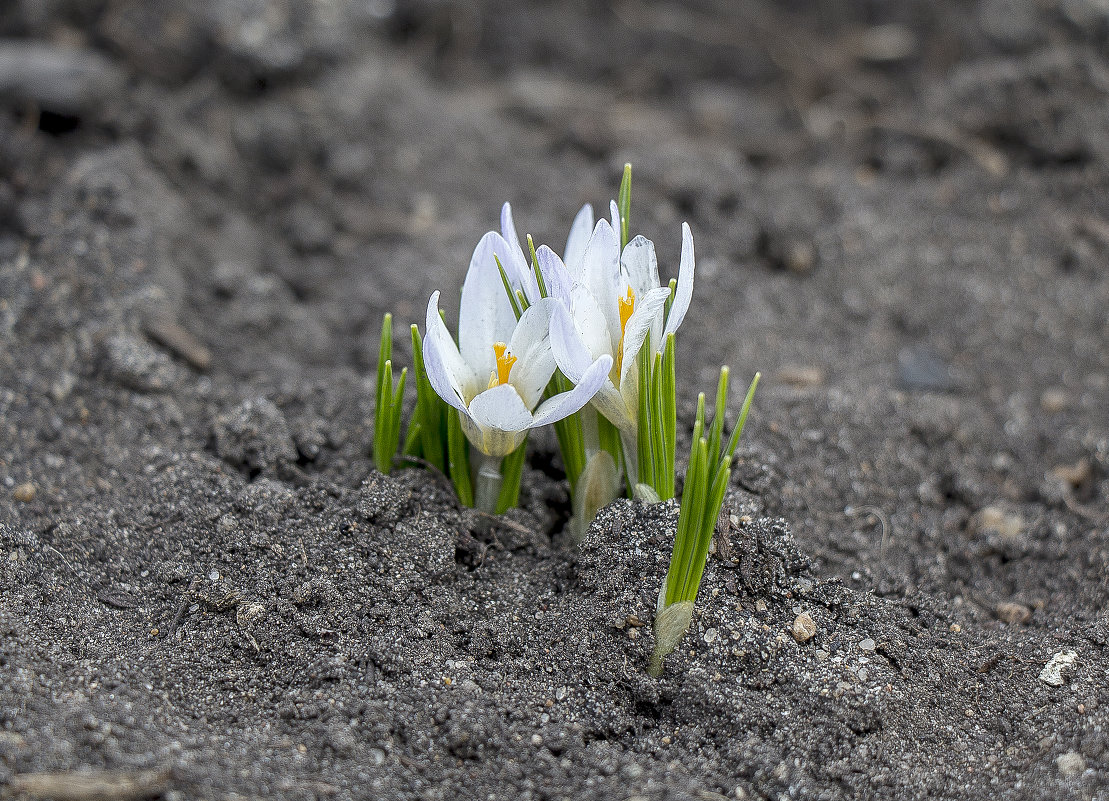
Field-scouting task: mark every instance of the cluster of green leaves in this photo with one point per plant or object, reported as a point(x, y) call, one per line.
point(706, 482)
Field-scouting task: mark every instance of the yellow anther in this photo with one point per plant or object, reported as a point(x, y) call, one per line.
point(627, 306)
point(505, 360)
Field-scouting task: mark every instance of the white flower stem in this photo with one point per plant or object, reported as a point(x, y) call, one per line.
point(488, 488)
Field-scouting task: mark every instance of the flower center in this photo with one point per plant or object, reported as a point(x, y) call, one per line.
point(505, 360)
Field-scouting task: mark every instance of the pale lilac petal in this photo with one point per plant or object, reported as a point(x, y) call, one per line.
point(566, 403)
point(684, 292)
point(614, 213)
point(556, 278)
point(447, 372)
point(647, 310)
point(531, 345)
point(578, 240)
point(515, 260)
point(639, 265)
point(485, 315)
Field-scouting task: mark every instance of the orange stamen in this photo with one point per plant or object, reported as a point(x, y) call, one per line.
point(505, 360)
point(627, 306)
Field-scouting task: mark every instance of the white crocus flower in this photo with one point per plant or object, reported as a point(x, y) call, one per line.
point(615, 302)
point(496, 374)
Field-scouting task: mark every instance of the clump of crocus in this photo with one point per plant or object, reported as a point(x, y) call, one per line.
point(497, 372)
point(586, 342)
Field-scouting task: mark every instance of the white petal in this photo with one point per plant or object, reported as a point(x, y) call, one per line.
point(570, 352)
point(592, 324)
point(647, 310)
point(556, 278)
point(566, 403)
point(614, 213)
point(501, 407)
point(531, 345)
point(447, 372)
point(684, 292)
point(578, 240)
point(601, 273)
point(485, 315)
point(639, 265)
point(515, 261)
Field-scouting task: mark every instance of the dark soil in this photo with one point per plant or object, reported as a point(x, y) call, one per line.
point(902, 220)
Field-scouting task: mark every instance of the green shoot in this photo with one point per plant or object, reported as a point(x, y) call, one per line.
point(512, 470)
point(571, 438)
point(427, 430)
point(657, 418)
point(516, 308)
point(435, 432)
point(388, 402)
point(535, 268)
point(458, 459)
point(706, 483)
point(624, 204)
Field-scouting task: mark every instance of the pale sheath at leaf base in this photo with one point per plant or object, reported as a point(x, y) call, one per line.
point(616, 301)
point(496, 374)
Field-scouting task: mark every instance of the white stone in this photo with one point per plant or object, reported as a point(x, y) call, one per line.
point(1052, 673)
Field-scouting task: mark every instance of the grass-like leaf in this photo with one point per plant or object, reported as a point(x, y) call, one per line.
point(624, 204)
point(427, 430)
point(388, 403)
point(458, 459)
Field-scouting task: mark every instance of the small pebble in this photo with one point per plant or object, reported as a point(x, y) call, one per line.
point(711, 635)
point(1070, 764)
point(804, 627)
point(868, 644)
point(923, 369)
point(801, 375)
point(1052, 674)
point(1013, 613)
point(760, 605)
point(997, 520)
point(24, 493)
